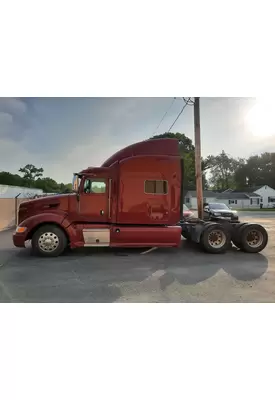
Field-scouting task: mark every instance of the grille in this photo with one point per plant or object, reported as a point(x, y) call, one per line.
point(226, 215)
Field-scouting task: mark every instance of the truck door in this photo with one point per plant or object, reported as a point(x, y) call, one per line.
point(94, 202)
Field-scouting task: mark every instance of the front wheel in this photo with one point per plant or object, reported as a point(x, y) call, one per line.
point(49, 241)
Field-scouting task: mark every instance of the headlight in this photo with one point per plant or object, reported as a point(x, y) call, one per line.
point(217, 214)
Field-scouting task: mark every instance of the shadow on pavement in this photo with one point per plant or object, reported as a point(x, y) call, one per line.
point(247, 267)
point(202, 266)
point(99, 274)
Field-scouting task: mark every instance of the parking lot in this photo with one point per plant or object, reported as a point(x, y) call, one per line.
point(163, 275)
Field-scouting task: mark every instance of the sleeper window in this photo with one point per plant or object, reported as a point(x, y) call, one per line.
point(155, 187)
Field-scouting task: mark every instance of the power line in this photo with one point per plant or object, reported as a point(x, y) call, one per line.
point(166, 112)
point(189, 102)
point(179, 114)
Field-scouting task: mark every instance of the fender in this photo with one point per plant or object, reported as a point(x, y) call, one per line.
point(75, 236)
point(38, 219)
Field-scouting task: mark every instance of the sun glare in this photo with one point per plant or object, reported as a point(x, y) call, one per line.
point(260, 119)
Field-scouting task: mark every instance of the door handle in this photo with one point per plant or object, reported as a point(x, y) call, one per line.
point(101, 212)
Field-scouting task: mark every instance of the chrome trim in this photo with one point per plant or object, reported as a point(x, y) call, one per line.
point(109, 198)
point(17, 216)
point(96, 237)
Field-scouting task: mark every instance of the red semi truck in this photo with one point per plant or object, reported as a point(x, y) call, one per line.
point(135, 199)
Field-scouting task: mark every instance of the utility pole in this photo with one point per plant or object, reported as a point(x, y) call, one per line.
point(198, 156)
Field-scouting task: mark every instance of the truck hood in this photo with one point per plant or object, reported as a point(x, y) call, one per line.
point(54, 203)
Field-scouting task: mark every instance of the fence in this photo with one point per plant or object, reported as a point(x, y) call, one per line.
point(8, 212)
point(9, 207)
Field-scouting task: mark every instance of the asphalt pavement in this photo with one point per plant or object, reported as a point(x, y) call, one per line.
point(123, 275)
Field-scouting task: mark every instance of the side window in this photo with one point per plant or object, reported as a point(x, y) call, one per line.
point(155, 187)
point(98, 186)
point(94, 186)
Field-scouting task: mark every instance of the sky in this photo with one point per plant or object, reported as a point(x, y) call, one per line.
point(66, 135)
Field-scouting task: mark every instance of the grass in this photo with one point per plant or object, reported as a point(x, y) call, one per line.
point(256, 209)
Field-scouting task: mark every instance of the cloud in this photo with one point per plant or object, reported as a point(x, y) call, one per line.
point(13, 155)
point(6, 120)
point(13, 106)
point(14, 118)
point(65, 135)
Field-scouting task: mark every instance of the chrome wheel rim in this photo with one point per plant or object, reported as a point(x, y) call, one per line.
point(217, 239)
point(48, 242)
point(254, 238)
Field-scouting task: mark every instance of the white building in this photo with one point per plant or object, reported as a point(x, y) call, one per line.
point(10, 192)
point(239, 199)
point(251, 197)
point(267, 194)
point(190, 198)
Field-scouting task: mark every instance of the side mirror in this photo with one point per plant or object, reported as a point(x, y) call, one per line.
point(75, 183)
point(206, 209)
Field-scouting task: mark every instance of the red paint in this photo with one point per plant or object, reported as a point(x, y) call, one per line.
point(19, 239)
point(145, 236)
point(57, 218)
point(136, 207)
point(166, 147)
point(124, 205)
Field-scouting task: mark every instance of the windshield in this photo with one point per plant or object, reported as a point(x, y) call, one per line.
point(218, 206)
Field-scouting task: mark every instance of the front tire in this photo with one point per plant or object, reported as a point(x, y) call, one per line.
point(49, 241)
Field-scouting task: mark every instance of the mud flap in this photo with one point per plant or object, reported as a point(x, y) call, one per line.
point(196, 231)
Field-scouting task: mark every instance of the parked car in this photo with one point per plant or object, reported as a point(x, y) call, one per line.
point(219, 210)
point(187, 213)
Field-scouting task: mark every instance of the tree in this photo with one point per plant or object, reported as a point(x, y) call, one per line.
point(30, 173)
point(223, 168)
point(65, 188)
point(6, 178)
point(187, 151)
point(32, 178)
point(48, 185)
point(257, 170)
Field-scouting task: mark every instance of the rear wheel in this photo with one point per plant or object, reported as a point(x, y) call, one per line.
point(215, 238)
point(253, 238)
point(236, 237)
point(49, 241)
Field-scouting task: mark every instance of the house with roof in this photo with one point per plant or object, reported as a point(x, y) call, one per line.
point(265, 193)
point(246, 198)
point(236, 199)
point(190, 198)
